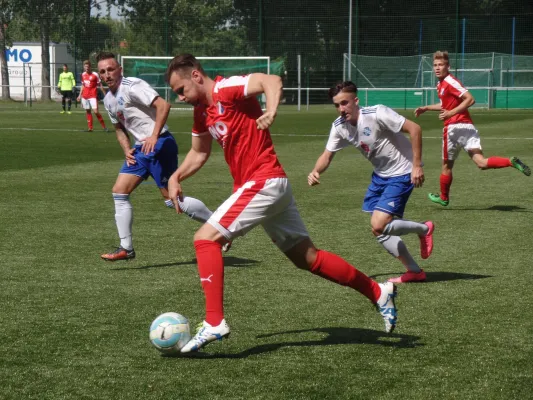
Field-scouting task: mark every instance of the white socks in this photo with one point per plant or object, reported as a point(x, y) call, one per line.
point(124, 219)
point(194, 208)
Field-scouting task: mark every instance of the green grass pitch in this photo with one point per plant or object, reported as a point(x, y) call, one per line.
point(75, 327)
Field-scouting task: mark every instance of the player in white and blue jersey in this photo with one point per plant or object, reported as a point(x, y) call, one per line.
point(136, 109)
point(378, 133)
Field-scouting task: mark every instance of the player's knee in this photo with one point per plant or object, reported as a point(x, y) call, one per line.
point(377, 229)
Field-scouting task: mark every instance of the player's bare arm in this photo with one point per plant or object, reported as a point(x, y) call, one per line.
point(81, 92)
point(415, 133)
point(467, 101)
point(321, 165)
point(272, 87)
point(124, 142)
point(162, 109)
point(432, 107)
point(195, 159)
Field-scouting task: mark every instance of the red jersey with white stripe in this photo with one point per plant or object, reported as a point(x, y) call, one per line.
point(231, 120)
point(90, 84)
point(450, 91)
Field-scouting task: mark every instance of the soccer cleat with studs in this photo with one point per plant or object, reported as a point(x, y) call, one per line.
point(119, 254)
point(205, 335)
point(435, 198)
point(410, 276)
point(426, 241)
point(519, 165)
point(386, 305)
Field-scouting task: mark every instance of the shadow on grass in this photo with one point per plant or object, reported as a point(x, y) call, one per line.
point(491, 208)
point(442, 276)
point(335, 336)
point(228, 262)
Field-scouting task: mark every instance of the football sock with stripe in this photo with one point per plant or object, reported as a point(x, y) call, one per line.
point(211, 270)
point(335, 269)
point(124, 219)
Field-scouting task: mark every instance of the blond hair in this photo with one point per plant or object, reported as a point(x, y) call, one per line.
point(441, 55)
point(87, 62)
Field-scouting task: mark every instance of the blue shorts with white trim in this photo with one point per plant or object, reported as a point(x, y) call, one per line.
point(388, 195)
point(159, 164)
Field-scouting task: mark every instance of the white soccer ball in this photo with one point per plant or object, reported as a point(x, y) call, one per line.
point(170, 332)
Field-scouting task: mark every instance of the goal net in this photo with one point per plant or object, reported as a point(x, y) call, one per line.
point(152, 69)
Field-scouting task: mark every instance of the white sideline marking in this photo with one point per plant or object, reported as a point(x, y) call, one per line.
point(272, 134)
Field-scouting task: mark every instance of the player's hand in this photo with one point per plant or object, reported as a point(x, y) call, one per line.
point(417, 176)
point(175, 193)
point(78, 99)
point(313, 178)
point(419, 111)
point(266, 120)
point(130, 158)
point(149, 144)
point(444, 115)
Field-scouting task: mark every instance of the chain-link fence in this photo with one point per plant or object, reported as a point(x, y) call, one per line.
point(378, 45)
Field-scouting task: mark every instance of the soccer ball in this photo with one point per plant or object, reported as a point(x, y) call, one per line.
point(170, 332)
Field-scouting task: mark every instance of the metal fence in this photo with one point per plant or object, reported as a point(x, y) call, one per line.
point(317, 42)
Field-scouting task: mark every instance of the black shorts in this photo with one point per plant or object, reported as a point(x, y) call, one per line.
point(67, 94)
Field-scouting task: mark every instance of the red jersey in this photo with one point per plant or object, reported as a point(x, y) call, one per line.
point(90, 84)
point(450, 91)
point(248, 150)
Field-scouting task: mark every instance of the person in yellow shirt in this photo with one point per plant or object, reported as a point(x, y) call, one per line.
point(65, 85)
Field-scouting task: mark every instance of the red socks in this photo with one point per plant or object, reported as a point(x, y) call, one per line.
point(333, 268)
point(89, 120)
point(211, 270)
point(99, 116)
point(445, 183)
point(498, 162)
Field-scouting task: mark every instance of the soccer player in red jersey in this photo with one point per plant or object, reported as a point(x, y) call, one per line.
point(227, 110)
point(90, 82)
point(459, 130)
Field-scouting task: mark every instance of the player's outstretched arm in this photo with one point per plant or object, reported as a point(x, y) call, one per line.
point(272, 87)
point(321, 165)
point(432, 107)
point(415, 132)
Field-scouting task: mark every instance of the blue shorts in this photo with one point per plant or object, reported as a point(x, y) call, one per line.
point(159, 164)
point(388, 195)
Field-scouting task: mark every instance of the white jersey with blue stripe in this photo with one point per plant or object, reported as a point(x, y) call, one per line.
point(131, 106)
point(378, 136)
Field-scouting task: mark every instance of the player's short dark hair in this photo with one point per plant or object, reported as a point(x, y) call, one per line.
point(344, 87)
point(183, 63)
point(65, 65)
point(104, 55)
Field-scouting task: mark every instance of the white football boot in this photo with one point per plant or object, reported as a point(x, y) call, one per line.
point(386, 306)
point(205, 335)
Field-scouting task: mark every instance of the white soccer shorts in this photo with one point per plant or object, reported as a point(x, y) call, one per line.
point(89, 104)
point(269, 203)
point(459, 136)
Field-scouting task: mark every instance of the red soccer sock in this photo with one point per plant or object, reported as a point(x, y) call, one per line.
point(89, 120)
point(333, 268)
point(211, 270)
point(99, 116)
point(445, 183)
point(498, 162)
